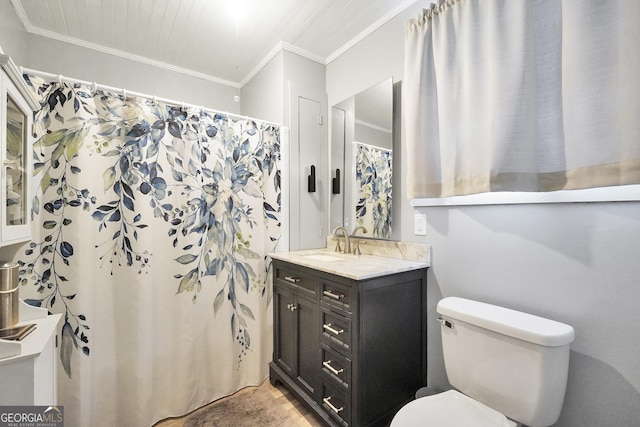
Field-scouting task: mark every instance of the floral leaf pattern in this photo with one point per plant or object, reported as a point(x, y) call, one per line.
point(46, 261)
point(373, 186)
point(211, 180)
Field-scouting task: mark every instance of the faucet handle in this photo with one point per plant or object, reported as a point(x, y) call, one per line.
point(338, 248)
point(357, 244)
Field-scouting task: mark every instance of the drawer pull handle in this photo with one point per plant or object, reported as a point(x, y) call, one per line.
point(292, 307)
point(332, 295)
point(327, 401)
point(327, 364)
point(333, 330)
point(292, 279)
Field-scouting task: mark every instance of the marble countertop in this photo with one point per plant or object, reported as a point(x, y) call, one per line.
point(356, 267)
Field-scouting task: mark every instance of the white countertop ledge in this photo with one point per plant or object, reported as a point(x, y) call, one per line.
point(357, 267)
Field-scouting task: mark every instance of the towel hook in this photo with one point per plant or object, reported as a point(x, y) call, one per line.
point(311, 180)
point(336, 183)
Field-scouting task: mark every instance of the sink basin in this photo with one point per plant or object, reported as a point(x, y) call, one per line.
point(322, 257)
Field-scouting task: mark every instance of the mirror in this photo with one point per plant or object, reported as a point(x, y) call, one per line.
point(362, 143)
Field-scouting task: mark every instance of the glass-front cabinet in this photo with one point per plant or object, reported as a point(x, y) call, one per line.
point(16, 115)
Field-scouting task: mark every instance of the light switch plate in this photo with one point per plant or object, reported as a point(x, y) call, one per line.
point(420, 224)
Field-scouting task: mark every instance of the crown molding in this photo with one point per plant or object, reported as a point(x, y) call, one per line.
point(260, 65)
point(111, 51)
point(369, 30)
point(301, 52)
point(280, 46)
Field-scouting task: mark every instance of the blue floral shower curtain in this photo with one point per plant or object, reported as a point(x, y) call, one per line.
point(151, 229)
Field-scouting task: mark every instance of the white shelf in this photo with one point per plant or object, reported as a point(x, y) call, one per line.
point(29, 375)
point(33, 344)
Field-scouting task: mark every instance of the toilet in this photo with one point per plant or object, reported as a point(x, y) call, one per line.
point(508, 368)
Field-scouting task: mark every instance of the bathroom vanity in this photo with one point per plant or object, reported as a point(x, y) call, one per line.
point(349, 333)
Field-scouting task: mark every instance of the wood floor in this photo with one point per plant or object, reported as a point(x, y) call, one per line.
point(297, 411)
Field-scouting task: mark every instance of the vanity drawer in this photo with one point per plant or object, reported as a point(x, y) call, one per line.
point(336, 402)
point(336, 331)
point(336, 295)
point(336, 366)
point(297, 279)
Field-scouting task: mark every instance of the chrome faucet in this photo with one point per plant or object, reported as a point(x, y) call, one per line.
point(345, 233)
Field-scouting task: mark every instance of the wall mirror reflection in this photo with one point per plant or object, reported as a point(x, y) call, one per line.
point(362, 145)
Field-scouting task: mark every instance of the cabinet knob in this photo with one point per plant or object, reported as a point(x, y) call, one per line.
point(292, 307)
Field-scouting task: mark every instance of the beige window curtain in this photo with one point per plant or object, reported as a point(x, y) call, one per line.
point(524, 95)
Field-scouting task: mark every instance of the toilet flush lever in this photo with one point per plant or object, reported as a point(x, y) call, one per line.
point(445, 322)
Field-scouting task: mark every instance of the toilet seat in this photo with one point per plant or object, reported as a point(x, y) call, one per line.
point(449, 409)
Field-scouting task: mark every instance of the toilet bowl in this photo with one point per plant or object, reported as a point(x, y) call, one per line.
point(449, 409)
point(508, 368)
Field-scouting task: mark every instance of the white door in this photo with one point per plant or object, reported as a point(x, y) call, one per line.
point(309, 215)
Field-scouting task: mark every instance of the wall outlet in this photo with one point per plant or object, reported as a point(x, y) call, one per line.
point(420, 224)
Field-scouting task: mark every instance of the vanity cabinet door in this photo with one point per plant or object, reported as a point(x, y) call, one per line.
point(284, 346)
point(308, 345)
point(297, 346)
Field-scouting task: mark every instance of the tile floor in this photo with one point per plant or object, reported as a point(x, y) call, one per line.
point(303, 417)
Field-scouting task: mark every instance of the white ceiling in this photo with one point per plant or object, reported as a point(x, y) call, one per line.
point(199, 36)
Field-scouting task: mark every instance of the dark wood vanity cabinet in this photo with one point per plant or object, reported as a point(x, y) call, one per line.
point(353, 350)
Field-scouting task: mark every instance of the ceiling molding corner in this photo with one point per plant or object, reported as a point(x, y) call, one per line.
point(304, 53)
point(369, 30)
point(263, 63)
point(280, 46)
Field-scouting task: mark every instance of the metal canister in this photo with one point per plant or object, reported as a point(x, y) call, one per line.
point(9, 294)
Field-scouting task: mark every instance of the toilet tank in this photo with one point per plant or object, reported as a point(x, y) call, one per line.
point(513, 362)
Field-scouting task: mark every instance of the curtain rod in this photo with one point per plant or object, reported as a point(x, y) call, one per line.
point(60, 78)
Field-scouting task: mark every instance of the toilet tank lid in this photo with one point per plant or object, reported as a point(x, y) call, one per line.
point(524, 326)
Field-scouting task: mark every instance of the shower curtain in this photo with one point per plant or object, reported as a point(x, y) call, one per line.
point(151, 229)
